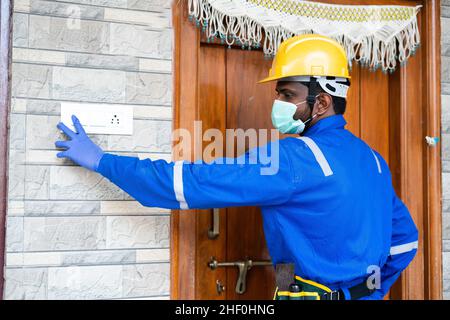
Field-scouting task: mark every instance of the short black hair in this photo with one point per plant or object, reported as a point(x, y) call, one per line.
point(339, 104)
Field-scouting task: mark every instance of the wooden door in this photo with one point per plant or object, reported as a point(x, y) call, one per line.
point(389, 112)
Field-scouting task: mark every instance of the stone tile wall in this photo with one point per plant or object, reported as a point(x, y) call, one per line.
point(70, 233)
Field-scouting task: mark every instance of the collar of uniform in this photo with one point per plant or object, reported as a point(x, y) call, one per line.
point(336, 121)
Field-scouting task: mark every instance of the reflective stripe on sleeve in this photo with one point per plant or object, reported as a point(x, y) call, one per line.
point(378, 161)
point(320, 158)
point(404, 248)
point(178, 184)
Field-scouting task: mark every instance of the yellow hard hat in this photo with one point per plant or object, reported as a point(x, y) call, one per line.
point(309, 55)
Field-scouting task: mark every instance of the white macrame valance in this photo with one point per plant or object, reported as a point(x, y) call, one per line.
point(375, 36)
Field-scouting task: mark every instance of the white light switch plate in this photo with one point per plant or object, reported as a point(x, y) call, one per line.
point(99, 118)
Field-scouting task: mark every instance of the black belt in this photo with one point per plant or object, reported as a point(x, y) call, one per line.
point(356, 292)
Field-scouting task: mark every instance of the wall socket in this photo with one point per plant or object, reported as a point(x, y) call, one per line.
point(99, 118)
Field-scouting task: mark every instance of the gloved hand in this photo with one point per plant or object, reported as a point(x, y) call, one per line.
point(80, 149)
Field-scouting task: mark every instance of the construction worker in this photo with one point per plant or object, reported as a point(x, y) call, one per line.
point(332, 220)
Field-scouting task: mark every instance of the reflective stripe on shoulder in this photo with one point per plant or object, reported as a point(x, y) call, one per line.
point(320, 158)
point(178, 184)
point(404, 248)
point(378, 161)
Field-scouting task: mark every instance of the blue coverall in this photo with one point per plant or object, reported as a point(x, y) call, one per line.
point(330, 209)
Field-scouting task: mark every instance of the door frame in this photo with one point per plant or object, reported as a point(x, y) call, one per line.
point(5, 95)
point(186, 102)
point(432, 158)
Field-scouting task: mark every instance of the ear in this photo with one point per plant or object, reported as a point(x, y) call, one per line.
point(324, 103)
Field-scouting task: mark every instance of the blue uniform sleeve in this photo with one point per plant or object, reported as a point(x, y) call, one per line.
point(404, 243)
point(260, 177)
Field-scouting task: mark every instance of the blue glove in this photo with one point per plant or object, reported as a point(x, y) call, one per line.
point(80, 149)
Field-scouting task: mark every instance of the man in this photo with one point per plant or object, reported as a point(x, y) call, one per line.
point(330, 213)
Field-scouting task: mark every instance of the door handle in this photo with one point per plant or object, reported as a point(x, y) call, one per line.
point(213, 232)
point(243, 268)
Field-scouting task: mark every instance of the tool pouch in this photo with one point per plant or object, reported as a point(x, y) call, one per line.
point(288, 288)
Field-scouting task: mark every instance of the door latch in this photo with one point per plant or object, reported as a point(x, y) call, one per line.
point(243, 268)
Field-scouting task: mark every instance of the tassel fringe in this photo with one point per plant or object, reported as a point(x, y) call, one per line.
point(375, 43)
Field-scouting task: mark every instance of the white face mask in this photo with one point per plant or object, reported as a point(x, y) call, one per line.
point(283, 117)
